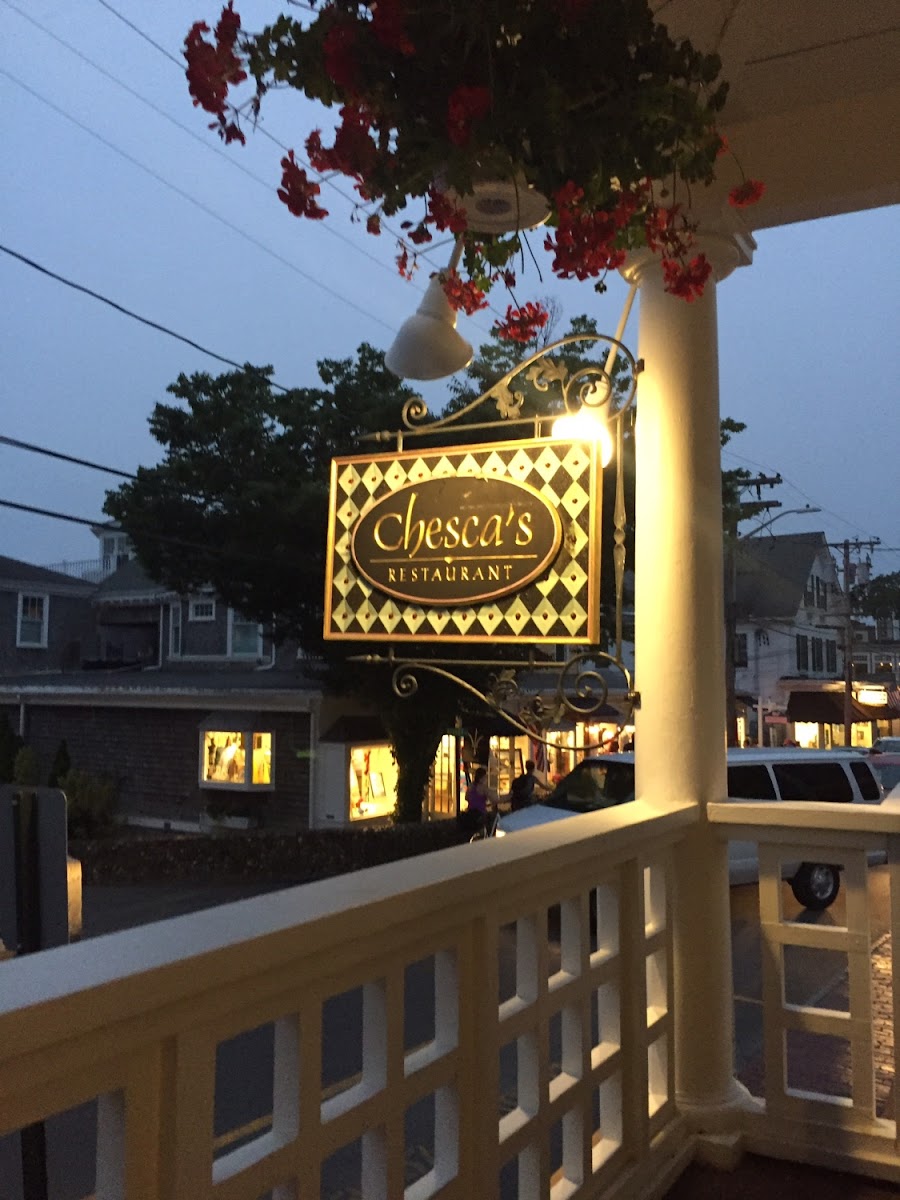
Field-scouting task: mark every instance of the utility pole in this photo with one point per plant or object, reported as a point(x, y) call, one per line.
point(848, 628)
point(743, 510)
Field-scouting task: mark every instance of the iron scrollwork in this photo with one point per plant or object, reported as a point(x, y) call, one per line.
point(580, 688)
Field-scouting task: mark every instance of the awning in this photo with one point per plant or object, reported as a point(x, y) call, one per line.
point(360, 729)
point(823, 708)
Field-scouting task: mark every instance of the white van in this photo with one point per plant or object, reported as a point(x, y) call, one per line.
point(835, 776)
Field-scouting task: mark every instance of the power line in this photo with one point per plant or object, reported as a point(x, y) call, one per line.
point(325, 179)
point(81, 462)
point(191, 133)
point(79, 287)
point(204, 208)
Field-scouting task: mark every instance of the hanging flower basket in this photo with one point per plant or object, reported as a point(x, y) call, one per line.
point(487, 118)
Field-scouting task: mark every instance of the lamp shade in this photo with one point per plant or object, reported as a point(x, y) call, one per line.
point(427, 345)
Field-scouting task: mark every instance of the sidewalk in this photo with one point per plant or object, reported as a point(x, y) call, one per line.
point(819, 1064)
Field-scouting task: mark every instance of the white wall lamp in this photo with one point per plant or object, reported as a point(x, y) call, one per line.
point(427, 345)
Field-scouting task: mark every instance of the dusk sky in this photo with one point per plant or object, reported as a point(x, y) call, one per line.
point(113, 180)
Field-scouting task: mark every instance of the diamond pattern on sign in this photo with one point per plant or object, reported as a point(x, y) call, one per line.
point(349, 478)
point(372, 478)
point(419, 470)
point(443, 468)
point(574, 617)
point(575, 500)
point(520, 466)
point(464, 619)
point(437, 619)
point(488, 617)
point(412, 618)
point(389, 615)
point(552, 608)
point(395, 476)
point(573, 578)
point(347, 513)
point(494, 465)
point(547, 463)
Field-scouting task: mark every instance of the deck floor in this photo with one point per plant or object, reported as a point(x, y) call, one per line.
point(757, 1178)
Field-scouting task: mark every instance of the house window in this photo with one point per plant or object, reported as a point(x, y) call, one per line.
point(821, 593)
point(809, 594)
point(373, 782)
point(31, 628)
point(236, 758)
point(244, 637)
point(818, 661)
point(740, 649)
point(802, 652)
point(201, 608)
point(831, 658)
point(175, 630)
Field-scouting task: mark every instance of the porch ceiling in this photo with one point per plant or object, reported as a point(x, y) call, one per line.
point(814, 104)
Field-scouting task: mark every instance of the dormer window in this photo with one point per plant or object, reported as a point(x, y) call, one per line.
point(31, 625)
point(202, 608)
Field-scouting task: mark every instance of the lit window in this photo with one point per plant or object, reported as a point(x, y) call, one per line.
point(238, 758)
point(202, 608)
point(31, 628)
point(373, 782)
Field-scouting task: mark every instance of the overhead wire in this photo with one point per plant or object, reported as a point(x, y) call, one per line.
point(80, 287)
point(263, 132)
point(197, 203)
point(191, 133)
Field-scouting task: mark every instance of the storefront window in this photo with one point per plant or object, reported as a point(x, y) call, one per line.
point(236, 758)
point(373, 782)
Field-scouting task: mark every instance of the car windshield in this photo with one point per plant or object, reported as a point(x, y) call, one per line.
point(887, 768)
point(594, 785)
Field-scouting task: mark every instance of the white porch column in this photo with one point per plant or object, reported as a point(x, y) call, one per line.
point(679, 658)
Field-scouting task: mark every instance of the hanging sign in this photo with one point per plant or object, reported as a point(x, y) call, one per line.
point(476, 543)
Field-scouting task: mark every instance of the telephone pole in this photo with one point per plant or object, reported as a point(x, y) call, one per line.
point(743, 510)
point(845, 546)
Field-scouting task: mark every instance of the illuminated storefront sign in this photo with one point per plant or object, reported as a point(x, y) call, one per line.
point(478, 543)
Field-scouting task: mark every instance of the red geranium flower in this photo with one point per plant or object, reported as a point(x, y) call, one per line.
point(373, 224)
point(445, 214)
point(387, 25)
point(463, 294)
point(466, 106)
point(353, 153)
point(298, 191)
point(403, 265)
point(686, 280)
point(522, 324)
point(746, 193)
point(339, 53)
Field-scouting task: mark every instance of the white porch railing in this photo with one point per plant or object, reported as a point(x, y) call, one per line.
point(836, 1123)
point(557, 1081)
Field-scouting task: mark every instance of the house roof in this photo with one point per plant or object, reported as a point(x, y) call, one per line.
point(130, 583)
point(226, 687)
point(771, 573)
point(14, 573)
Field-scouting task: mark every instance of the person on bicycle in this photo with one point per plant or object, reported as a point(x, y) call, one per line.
point(478, 801)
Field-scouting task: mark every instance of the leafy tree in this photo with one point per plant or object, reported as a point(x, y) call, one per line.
point(242, 490)
point(242, 493)
point(27, 767)
point(880, 597)
point(60, 766)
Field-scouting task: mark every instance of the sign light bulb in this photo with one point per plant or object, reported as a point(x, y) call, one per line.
point(586, 426)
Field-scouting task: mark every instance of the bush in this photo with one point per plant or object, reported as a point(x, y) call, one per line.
point(27, 768)
point(90, 804)
point(61, 766)
point(10, 745)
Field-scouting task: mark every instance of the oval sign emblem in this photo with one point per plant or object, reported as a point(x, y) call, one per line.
point(456, 540)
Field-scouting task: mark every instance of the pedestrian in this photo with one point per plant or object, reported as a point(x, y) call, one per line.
point(523, 788)
point(477, 800)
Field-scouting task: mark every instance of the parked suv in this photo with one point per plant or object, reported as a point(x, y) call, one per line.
point(834, 776)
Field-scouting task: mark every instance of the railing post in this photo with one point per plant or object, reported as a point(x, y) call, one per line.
point(679, 638)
